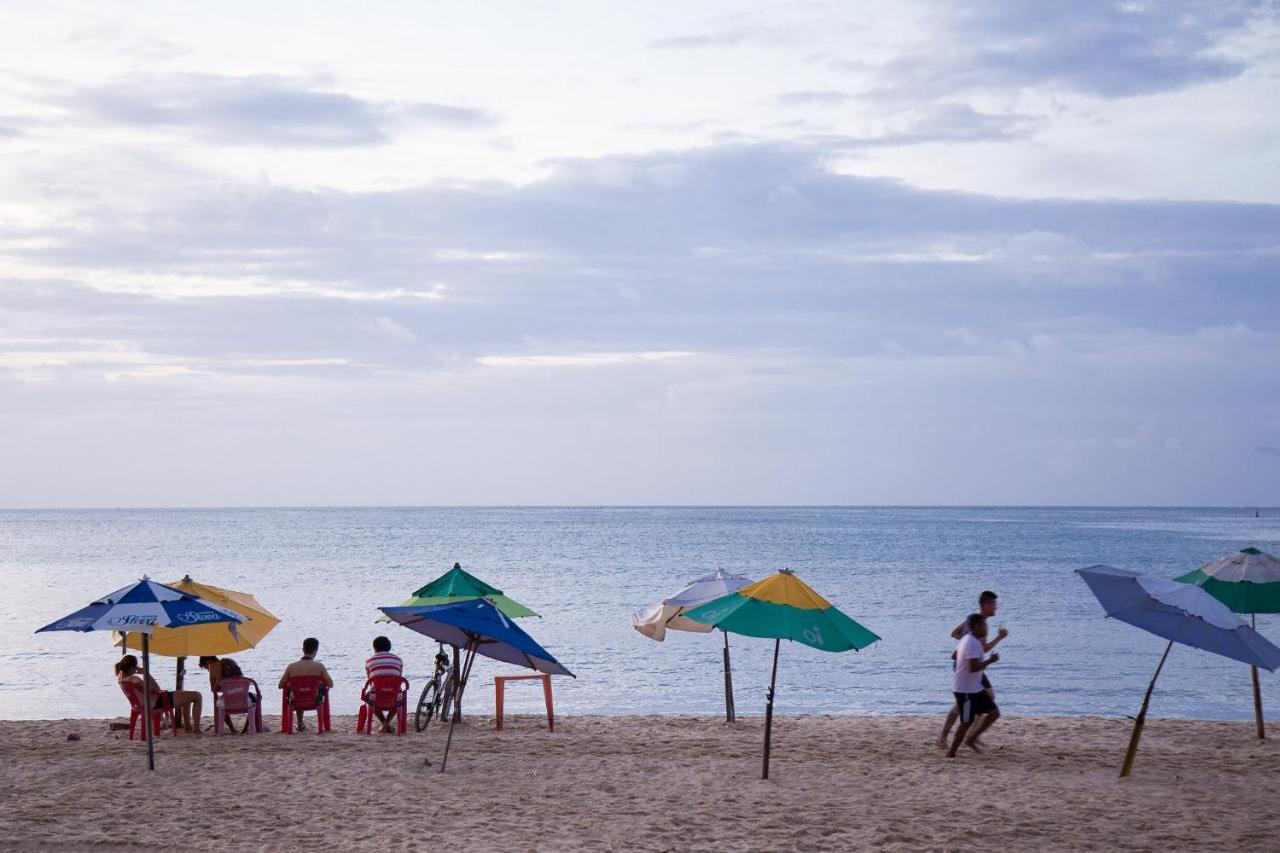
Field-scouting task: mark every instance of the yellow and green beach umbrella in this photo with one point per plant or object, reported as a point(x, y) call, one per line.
point(783, 607)
point(1247, 582)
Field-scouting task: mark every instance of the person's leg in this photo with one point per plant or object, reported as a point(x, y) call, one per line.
point(964, 712)
point(952, 715)
point(988, 720)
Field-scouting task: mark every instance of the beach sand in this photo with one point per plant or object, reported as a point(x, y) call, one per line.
point(645, 783)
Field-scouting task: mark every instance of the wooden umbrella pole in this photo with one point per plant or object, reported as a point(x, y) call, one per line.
point(462, 684)
point(768, 709)
point(1257, 688)
point(177, 685)
point(455, 674)
point(1140, 720)
point(728, 682)
point(146, 699)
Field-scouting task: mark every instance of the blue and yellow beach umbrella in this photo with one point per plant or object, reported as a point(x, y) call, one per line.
point(783, 607)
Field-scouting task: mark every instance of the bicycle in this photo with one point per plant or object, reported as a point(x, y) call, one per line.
point(437, 697)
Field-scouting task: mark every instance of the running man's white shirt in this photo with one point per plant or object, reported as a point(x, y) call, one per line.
point(964, 681)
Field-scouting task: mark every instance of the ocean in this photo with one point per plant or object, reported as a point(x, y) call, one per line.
point(909, 574)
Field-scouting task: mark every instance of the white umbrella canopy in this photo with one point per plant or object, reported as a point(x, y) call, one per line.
point(655, 619)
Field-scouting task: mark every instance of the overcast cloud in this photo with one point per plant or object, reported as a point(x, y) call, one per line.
point(903, 255)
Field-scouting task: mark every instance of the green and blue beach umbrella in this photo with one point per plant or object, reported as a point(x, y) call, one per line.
point(456, 585)
point(783, 607)
point(1247, 582)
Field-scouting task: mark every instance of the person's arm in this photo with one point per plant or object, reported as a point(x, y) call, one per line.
point(284, 679)
point(978, 664)
point(1000, 635)
point(324, 674)
point(957, 632)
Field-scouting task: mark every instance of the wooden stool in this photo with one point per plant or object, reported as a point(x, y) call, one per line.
point(500, 686)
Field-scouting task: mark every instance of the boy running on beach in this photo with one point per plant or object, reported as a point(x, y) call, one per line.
point(973, 703)
point(988, 603)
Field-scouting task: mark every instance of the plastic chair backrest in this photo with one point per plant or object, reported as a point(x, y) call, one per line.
point(133, 693)
point(386, 691)
point(236, 692)
point(304, 692)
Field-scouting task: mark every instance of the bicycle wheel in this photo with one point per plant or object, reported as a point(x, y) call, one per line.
point(426, 705)
point(444, 708)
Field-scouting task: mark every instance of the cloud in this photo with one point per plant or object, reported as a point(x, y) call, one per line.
point(813, 97)
point(1268, 451)
point(262, 110)
point(728, 36)
point(708, 312)
point(1108, 49)
point(940, 123)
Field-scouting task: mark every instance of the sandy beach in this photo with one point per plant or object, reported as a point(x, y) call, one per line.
point(645, 783)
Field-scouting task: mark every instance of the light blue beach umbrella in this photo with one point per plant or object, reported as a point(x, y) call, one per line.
point(1180, 613)
point(139, 609)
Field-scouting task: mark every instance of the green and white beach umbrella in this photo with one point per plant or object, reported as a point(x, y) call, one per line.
point(1247, 581)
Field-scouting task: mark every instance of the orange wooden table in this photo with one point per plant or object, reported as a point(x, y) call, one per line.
point(500, 687)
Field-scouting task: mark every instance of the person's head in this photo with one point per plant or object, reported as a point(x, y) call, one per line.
point(126, 666)
point(977, 625)
point(230, 669)
point(381, 644)
point(207, 661)
point(987, 603)
point(310, 646)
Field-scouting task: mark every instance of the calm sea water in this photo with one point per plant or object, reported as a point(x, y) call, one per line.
point(909, 574)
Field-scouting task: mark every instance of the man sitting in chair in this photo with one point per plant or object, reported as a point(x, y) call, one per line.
point(383, 662)
point(307, 665)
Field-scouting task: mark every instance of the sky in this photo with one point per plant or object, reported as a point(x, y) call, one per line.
point(1009, 252)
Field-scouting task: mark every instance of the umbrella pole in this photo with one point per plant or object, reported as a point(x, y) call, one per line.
point(457, 691)
point(146, 699)
point(462, 683)
point(728, 682)
point(768, 709)
point(1257, 689)
point(1141, 720)
point(177, 684)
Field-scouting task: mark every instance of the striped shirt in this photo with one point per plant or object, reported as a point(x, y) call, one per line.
point(383, 663)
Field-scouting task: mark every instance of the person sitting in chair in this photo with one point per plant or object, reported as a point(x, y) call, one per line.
point(219, 669)
point(186, 702)
point(383, 662)
point(307, 665)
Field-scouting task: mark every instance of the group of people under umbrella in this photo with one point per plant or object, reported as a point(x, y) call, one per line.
point(187, 619)
point(457, 609)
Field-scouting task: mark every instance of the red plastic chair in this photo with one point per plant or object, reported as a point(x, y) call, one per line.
point(304, 693)
point(134, 694)
point(389, 693)
point(238, 695)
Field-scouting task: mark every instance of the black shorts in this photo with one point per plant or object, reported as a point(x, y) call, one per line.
point(974, 705)
point(986, 684)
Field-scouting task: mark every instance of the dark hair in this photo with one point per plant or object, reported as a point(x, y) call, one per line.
point(310, 646)
point(205, 660)
point(231, 669)
point(381, 644)
point(127, 665)
point(974, 620)
point(987, 595)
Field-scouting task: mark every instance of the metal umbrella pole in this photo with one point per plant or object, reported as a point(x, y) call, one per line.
point(730, 717)
point(1257, 688)
point(146, 698)
point(462, 683)
point(768, 709)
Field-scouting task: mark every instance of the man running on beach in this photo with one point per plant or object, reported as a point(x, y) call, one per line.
point(976, 708)
point(988, 603)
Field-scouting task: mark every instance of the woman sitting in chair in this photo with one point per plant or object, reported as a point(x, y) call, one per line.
point(188, 702)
